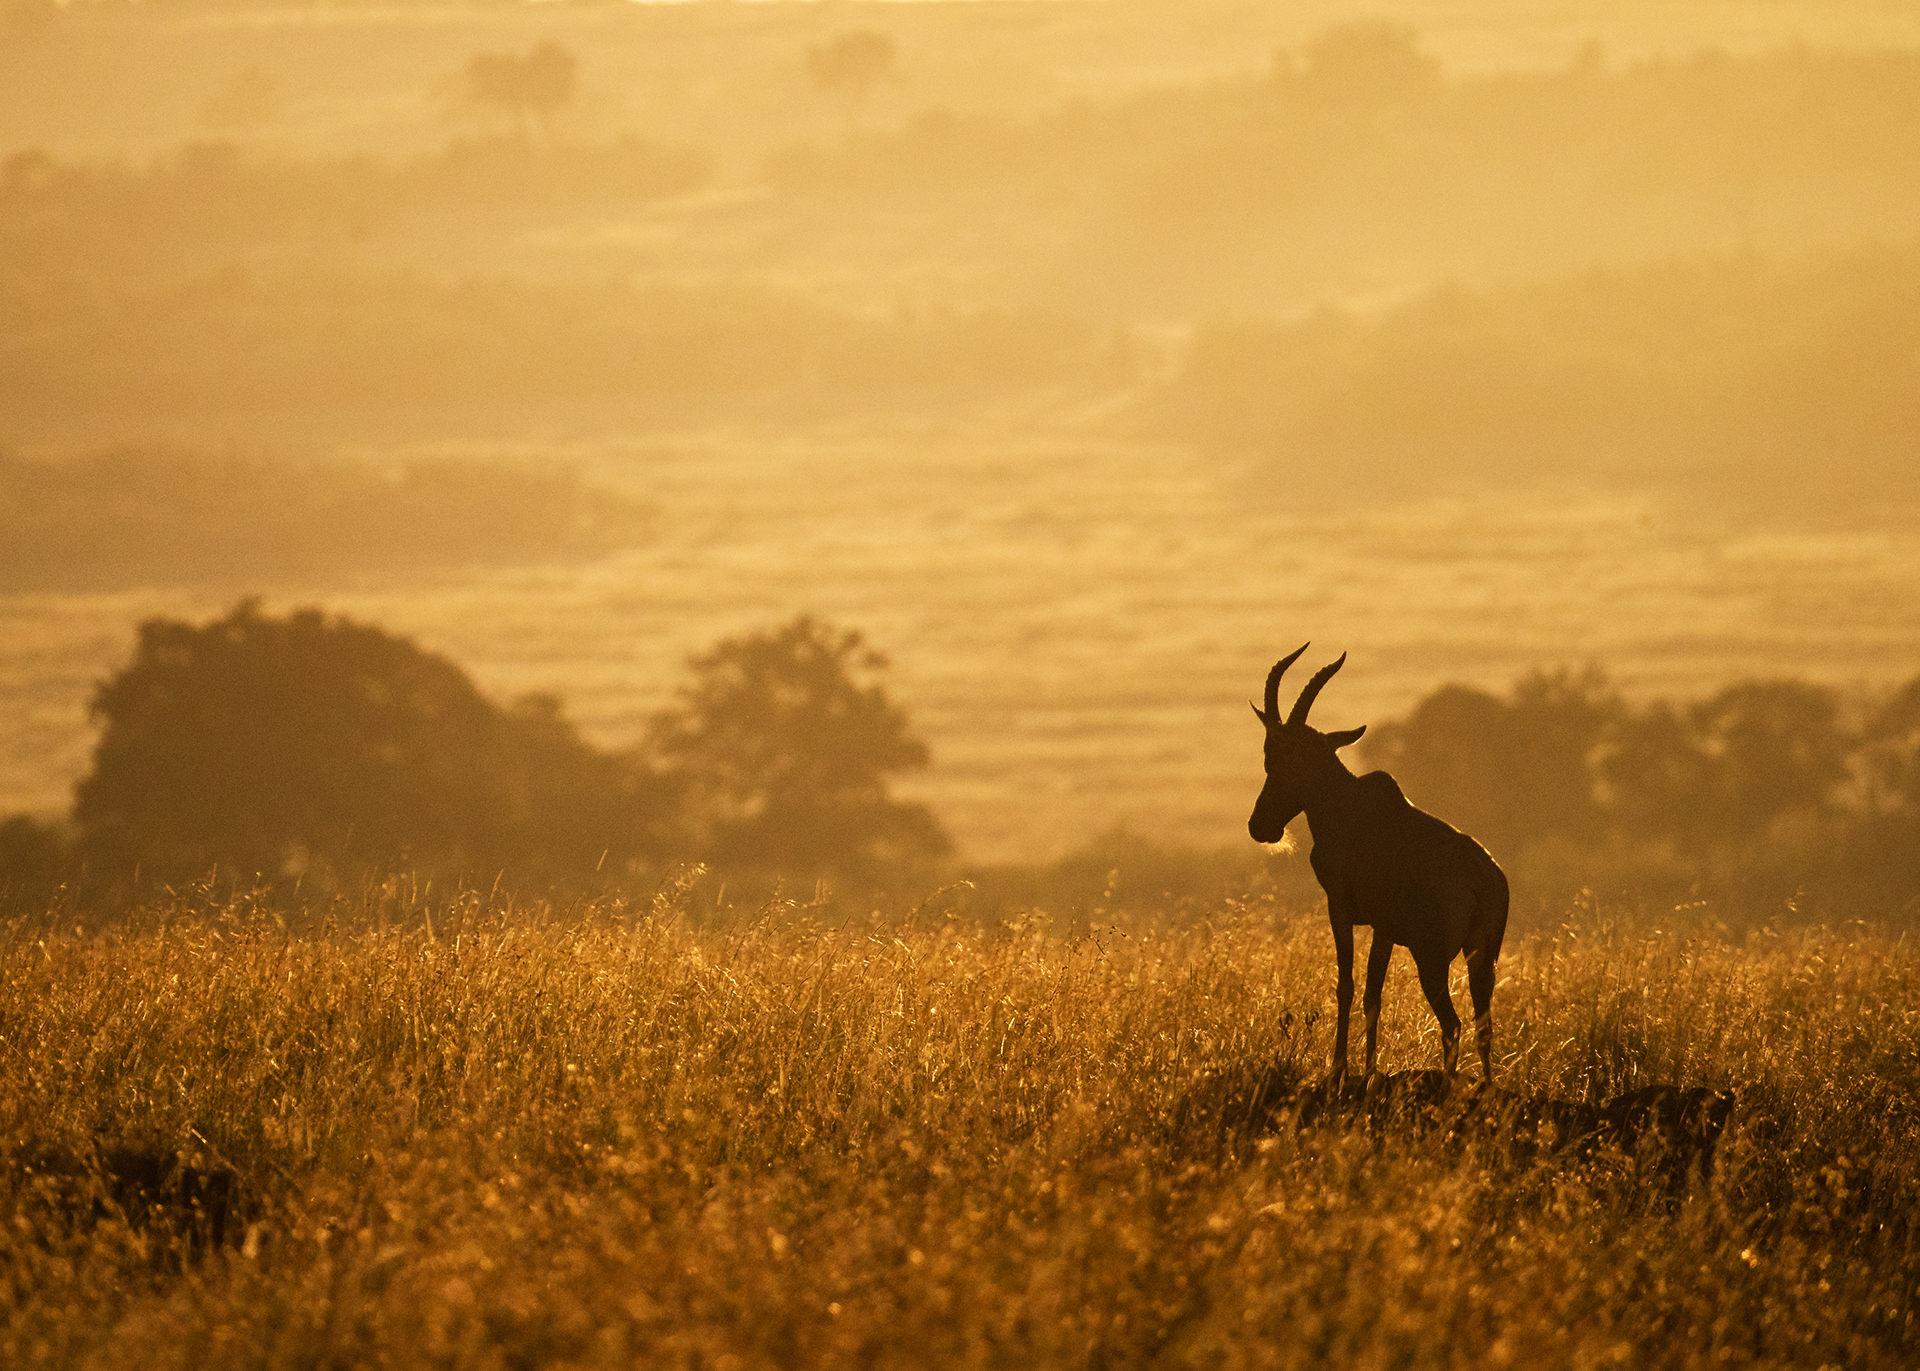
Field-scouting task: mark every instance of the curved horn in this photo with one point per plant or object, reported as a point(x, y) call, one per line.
point(1320, 678)
point(1271, 715)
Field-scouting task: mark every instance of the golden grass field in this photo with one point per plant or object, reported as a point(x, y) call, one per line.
point(670, 1134)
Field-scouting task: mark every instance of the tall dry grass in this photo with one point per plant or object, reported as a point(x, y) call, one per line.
point(808, 1135)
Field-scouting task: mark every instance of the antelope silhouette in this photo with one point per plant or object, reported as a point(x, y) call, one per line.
point(1419, 882)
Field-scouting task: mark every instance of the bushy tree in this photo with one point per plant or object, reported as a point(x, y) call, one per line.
point(785, 741)
point(267, 745)
point(33, 859)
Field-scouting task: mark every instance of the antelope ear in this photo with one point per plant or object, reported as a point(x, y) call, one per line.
point(1265, 722)
point(1346, 736)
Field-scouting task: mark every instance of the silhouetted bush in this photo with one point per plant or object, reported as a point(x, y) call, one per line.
point(309, 745)
point(34, 857)
point(785, 743)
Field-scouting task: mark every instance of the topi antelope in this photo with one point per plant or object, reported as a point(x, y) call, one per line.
point(1419, 882)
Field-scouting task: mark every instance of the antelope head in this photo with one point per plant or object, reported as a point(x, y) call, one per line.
point(1300, 759)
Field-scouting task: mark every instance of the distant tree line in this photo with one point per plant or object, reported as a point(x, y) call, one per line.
point(311, 339)
point(1721, 376)
point(136, 516)
point(212, 196)
point(313, 749)
point(1362, 118)
point(1764, 787)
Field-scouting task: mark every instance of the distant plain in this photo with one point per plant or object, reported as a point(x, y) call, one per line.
point(1076, 595)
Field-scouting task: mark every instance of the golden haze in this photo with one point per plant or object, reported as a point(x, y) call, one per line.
point(1086, 355)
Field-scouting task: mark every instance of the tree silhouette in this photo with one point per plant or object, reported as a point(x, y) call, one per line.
point(272, 745)
point(785, 743)
point(534, 87)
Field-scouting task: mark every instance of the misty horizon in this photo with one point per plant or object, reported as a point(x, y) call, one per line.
point(1075, 352)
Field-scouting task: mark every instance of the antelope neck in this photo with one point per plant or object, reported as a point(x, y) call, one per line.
point(1333, 790)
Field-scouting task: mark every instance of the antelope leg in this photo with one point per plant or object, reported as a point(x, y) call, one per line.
point(1480, 985)
point(1433, 980)
point(1379, 953)
point(1343, 993)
